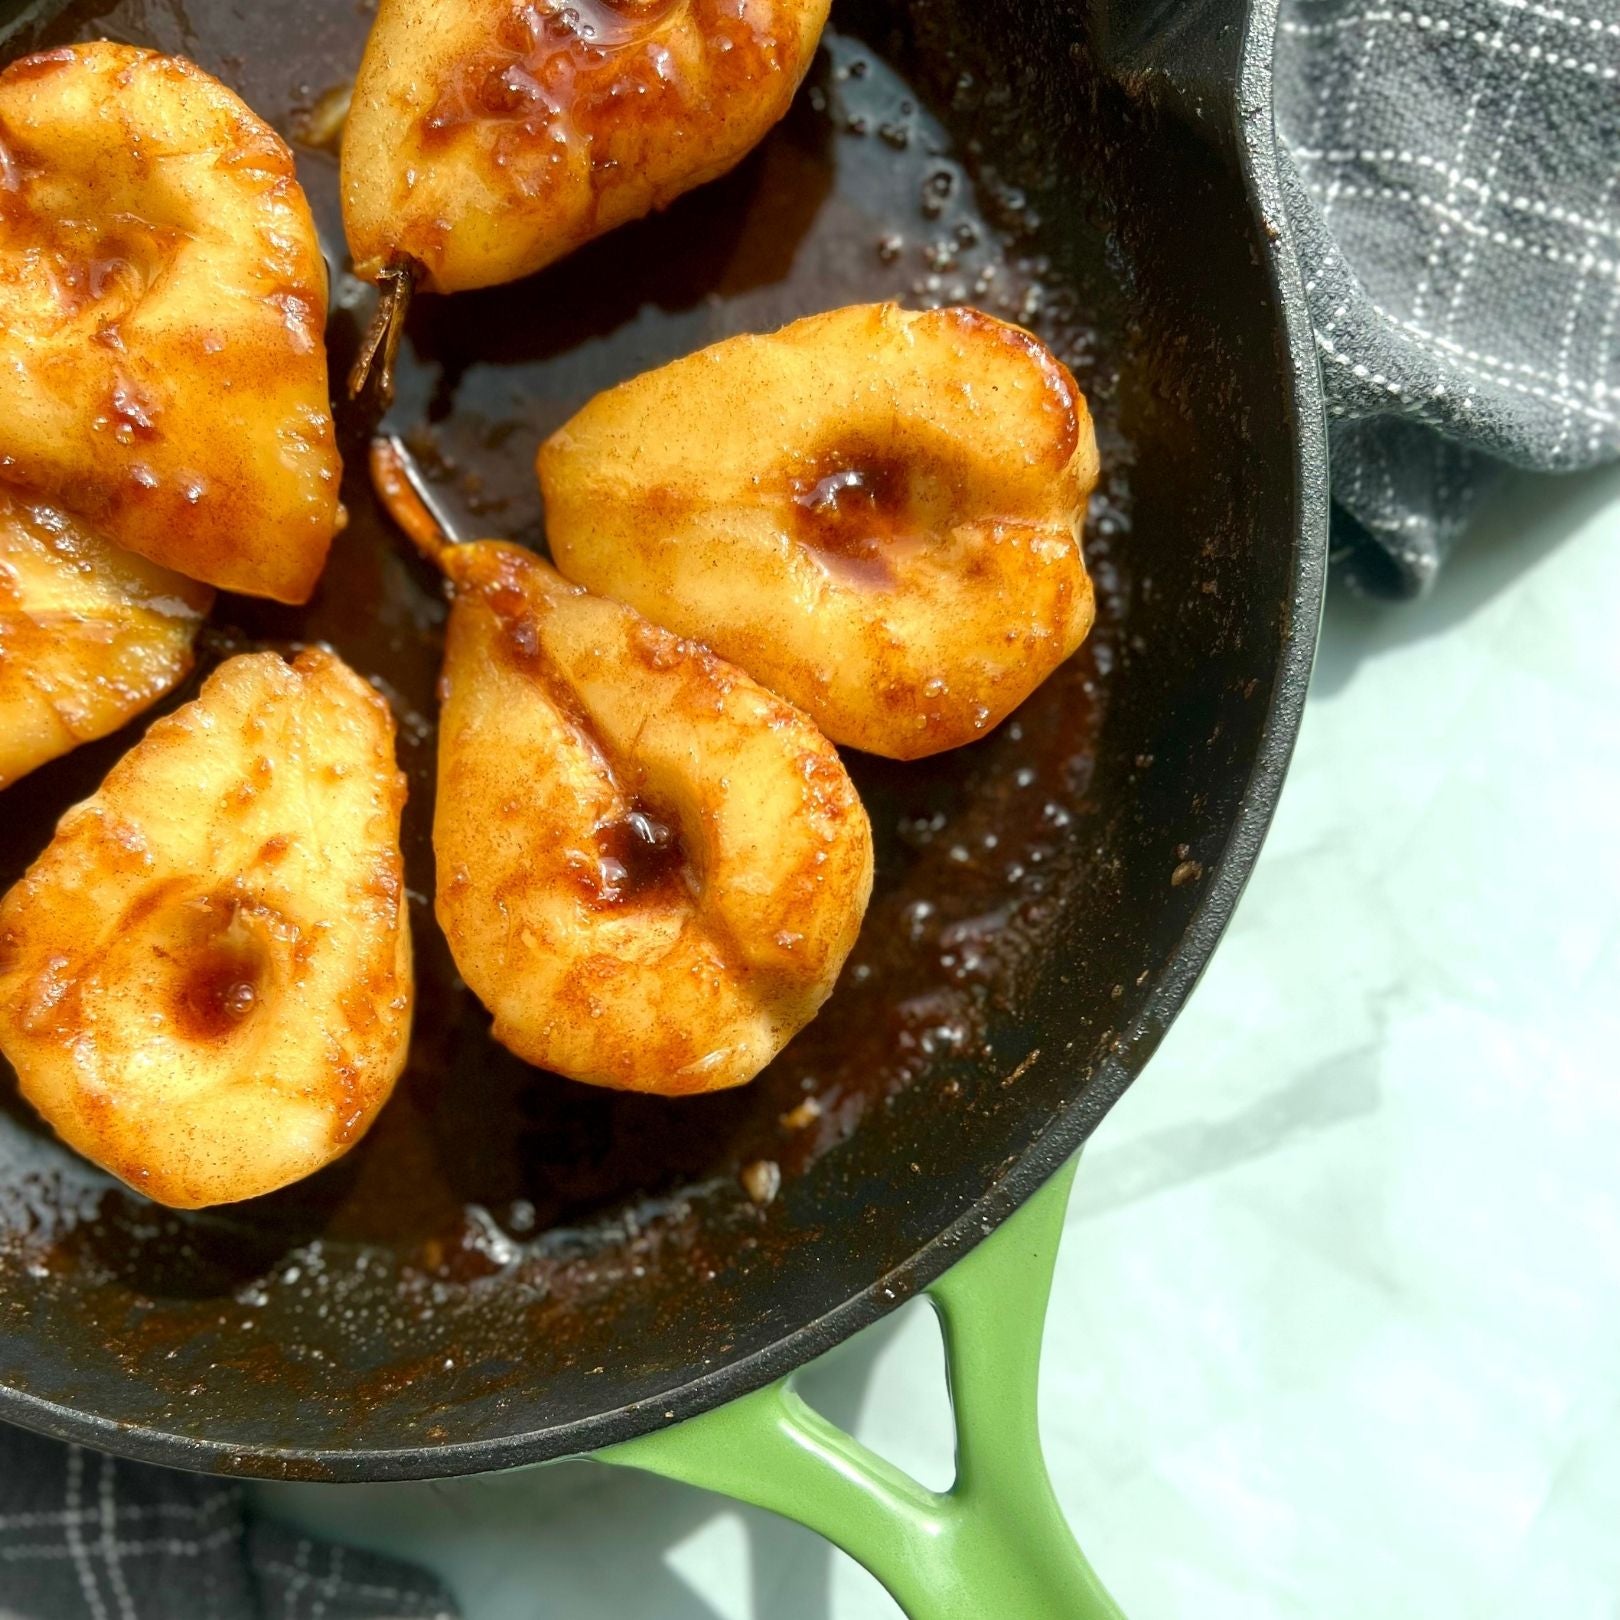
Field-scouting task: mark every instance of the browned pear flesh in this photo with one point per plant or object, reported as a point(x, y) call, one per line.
point(877, 514)
point(650, 870)
point(162, 316)
point(89, 635)
point(205, 980)
point(489, 137)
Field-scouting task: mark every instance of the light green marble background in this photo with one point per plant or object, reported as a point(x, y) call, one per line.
point(1336, 1330)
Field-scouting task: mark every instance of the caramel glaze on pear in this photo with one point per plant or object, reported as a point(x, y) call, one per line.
point(162, 318)
point(490, 137)
point(89, 635)
point(650, 869)
point(876, 513)
point(205, 979)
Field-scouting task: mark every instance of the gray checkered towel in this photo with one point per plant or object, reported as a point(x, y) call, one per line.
point(83, 1537)
point(1452, 171)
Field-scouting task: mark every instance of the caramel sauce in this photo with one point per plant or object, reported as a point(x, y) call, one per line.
point(850, 513)
point(101, 273)
point(87, 267)
point(41, 63)
point(520, 641)
point(641, 858)
point(217, 994)
point(133, 413)
point(12, 170)
point(219, 966)
point(587, 67)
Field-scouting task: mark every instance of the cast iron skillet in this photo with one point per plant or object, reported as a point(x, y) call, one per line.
point(513, 1268)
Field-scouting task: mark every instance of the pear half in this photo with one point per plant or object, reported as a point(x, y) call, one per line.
point(162, 319)
point(650, 870)
point(876, 514)
point(489, 137)
point(89, 635)
point(205, 980)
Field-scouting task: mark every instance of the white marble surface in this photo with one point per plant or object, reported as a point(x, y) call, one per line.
point(1336, 1327)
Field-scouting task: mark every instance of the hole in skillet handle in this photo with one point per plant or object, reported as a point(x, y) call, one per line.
point(996, 1542)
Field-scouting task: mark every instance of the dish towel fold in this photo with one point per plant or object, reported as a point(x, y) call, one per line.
point(1452, 175)
point(85, 1537)
point(1452, 172)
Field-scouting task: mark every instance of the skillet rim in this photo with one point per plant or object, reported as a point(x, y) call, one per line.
point(1250, 104)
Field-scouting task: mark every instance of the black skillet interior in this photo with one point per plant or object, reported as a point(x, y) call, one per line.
point(511, 1267)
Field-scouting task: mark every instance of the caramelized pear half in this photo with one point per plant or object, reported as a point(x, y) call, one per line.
point(162, 316)
point(490, 137)
point(650, 870)
point(89, 635)
point(876, 514)
point(205, 980)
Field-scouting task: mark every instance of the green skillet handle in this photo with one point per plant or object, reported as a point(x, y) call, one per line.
point(996, 1543)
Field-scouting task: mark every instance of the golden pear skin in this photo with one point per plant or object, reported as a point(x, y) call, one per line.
point(490, 137)
point(205, 980)
point(650, 870)
point(89, 635)
point(876, 514)
point(162, 318)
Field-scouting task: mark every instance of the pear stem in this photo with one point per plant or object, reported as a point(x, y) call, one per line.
point(374, 365)
point(406, 498)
